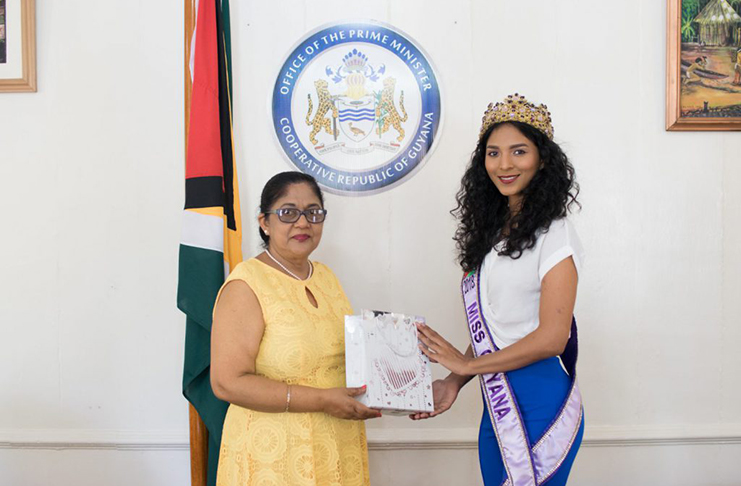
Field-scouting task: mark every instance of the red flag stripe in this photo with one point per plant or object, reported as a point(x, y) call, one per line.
point(203, 156)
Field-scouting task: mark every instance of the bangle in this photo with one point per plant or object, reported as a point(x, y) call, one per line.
point(288, 397)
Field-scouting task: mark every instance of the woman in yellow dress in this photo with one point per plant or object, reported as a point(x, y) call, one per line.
point(278, 356)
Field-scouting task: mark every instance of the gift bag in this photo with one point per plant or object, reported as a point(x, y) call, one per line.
point(382, 352)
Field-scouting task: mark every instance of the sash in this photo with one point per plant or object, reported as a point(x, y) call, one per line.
point(526, 464)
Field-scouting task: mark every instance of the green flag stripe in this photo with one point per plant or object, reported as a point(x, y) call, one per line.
point(201, 275)
point(227, 28)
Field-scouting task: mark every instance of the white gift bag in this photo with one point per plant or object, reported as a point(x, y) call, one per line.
point(381, 352)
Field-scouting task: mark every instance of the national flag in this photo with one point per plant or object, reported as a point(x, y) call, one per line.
point(212, 234)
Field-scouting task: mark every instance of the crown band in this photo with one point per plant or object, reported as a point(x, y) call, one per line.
point(517, 108)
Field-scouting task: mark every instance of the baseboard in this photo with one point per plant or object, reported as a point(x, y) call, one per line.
point(94, 439)
point(378, 439)
point(595, 436)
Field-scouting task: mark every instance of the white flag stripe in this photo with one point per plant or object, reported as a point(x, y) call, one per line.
point(191, 61)
point(203, 231)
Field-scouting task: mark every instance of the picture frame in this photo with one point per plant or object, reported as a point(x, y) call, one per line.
point(703, 65)
point(17, 46)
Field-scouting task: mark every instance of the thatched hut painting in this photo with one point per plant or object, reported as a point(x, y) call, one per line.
point(710, 58)
point(719, 24)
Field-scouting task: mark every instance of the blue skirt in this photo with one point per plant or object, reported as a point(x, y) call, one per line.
point(540, 390)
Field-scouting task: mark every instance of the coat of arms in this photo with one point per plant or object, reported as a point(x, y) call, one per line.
point(363, 109)
point(357, 105)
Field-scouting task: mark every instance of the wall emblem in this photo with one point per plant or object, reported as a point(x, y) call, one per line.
point(357, 106)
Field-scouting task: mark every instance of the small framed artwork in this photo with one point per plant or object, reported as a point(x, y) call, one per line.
point(17, 45)
point(703, 65)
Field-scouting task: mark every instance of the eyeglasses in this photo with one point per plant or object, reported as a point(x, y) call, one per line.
point(291, 215)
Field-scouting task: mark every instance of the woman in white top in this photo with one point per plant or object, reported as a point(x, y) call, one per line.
point(521, 259)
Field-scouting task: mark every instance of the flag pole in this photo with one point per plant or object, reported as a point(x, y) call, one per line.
point(198, 449)
point(198, 431)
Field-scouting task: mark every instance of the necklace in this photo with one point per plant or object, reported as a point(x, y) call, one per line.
point(311, 268)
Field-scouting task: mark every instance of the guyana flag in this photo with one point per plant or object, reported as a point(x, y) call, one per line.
point(212, 234)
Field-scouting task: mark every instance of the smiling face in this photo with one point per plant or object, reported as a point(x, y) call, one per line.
point(293, 241)
point(511, 161)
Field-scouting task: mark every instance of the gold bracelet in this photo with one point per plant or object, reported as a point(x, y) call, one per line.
point(288, 397)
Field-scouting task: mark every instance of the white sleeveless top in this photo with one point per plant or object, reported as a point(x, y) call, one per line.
point(510, 289)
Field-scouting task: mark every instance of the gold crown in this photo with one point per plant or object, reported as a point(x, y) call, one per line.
point(517, 108)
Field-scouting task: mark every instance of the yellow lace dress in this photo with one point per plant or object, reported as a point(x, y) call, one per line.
point(302, 345)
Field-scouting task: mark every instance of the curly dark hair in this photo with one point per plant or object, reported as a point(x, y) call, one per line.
point(483, 212)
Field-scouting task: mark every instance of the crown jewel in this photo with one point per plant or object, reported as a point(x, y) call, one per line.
point(355, 60)
point(517, 108)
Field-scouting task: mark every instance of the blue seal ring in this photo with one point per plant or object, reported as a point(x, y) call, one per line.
point(410, 157)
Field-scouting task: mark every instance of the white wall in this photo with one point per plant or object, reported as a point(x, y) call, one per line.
point(91, 170)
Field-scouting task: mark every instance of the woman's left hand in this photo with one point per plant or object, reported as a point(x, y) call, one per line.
point(441, 351)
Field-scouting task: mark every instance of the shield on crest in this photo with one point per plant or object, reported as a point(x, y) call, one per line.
point(356, 117)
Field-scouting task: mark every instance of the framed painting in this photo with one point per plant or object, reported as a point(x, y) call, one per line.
point(17, 45)
point(703, 68)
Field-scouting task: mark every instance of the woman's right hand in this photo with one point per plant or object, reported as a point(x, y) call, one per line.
point(444, 393)
point(341, 403)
